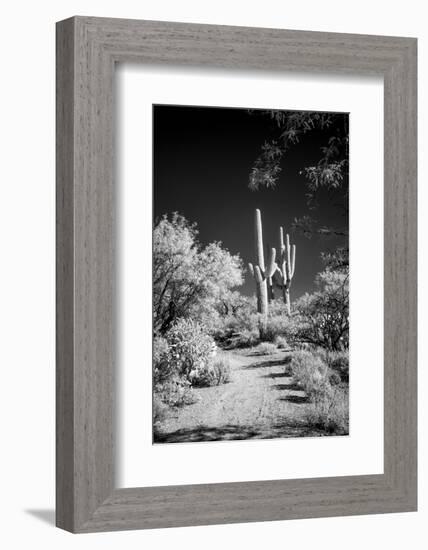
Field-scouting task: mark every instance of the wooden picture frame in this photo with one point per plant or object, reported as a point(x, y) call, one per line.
point(87, 50)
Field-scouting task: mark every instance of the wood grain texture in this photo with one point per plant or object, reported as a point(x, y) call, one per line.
point(87, 49)
point(64, 278)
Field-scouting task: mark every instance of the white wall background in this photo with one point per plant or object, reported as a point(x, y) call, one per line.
point(27, 271)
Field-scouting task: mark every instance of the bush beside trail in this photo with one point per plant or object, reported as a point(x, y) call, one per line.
point(186, 358)
point(329, 397)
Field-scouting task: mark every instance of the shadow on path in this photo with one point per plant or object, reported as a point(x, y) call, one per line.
point(233, 432)
point(289, 387)
point(298, 399)
point(274, 375)
point(268, 363)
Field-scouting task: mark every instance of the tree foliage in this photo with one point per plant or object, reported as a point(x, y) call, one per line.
point(291, 126)
point(325, 313)
point(328, 174)
point(336, 260)
point(187, 276)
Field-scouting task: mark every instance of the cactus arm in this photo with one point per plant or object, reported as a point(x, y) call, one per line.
point(258, 275)
point(271, 267)
point(281, 239)
point(281, 266)
point(259, 240)
point(285, 270)
point(293, 260)
point(288, 261)
point(251, 268)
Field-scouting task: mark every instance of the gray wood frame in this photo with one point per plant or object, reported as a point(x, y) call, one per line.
point(87, 50)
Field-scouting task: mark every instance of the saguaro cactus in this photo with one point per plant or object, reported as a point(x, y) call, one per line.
point(270, 281)
point(287, 265)
point(260, 272)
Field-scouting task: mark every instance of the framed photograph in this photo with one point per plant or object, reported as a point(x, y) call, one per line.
point(263, 337)
point(236, 274)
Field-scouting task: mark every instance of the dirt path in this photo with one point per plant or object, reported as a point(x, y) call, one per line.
point(260, 402)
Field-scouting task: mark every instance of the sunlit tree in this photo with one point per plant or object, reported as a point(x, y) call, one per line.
point(187, 276)
point(324, 314)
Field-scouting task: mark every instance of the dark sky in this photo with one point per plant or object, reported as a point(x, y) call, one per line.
point(202, 160)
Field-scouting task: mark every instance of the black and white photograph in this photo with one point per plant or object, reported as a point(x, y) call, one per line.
point(210, 275)
point(250, 274)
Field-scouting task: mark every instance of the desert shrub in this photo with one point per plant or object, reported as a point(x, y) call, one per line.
point(340, 364)
point(247, 328)
point(303, 346)
point(280, 342)
point(222, 371)
point(214, 324)
point(250, 322)
point(179, 358)
point(329, 401)
point(190, 348)
point(279, 323)
point(334, 379)
point(162, 367)
point(319, 352)
point(202, 377)
point(252, 329)
point(245, 339)
point(266, 348)
point(311, 373)
point(338, 361)
point(305, 360)
point(288, 369)
point(176, 392)
point(160, 409)
point(275, 326)
point(160, 349)
point(330, 411)
point(231, 315)
point(214, 373)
